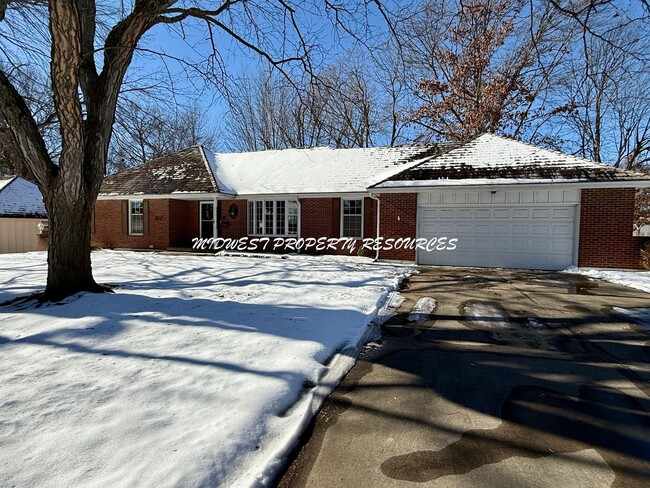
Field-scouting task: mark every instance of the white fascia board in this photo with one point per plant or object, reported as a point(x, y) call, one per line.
point(293, 196)
point(173, 196)
point(545, 184)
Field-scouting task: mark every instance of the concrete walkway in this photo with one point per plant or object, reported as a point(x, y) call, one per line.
point(517, 378)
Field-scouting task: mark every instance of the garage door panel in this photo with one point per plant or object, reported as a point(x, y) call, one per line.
point(562, 229)
point(517, 236)
point(563, 213)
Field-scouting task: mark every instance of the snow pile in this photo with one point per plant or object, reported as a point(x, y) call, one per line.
point(486, 315)
point(634, 279)
point(422, 309)
point(197, 371)
point(640, 316)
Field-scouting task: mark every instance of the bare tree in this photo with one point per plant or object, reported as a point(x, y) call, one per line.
point(336, 107)
point(144, 133)
point(609, 116)
point(88, 49)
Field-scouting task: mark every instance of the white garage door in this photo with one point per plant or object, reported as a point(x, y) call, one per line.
point(520, 235)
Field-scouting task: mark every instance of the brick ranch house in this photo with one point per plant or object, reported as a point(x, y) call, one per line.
point(507, 203)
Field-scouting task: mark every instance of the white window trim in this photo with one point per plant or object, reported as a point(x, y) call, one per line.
point(362, 217)
point(251, 223)
point(131, 220)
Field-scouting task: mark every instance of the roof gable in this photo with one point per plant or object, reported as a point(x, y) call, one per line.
point(186, 171)
point(490, 158)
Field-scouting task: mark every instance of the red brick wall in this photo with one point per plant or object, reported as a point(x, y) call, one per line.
point(319, 217)
point(237, 227)
point(184, 222)
point(606, 225)
point(173, 223)
point(398, 219)
point(109, 228)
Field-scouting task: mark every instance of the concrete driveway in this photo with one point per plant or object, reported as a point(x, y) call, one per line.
point(517, 378)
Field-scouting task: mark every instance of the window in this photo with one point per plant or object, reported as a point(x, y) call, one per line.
point(352, 221)
point(136, 217)
point(292, 217)
point(272, 217)
point(280, 217)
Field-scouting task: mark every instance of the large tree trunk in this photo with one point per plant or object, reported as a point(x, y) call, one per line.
point(68, 257)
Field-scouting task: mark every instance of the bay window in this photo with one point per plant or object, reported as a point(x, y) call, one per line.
point(272, 217)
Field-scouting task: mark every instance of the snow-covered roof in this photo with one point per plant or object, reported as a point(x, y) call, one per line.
point(488, 159)
point(20, 198)
point(491, 159)
point(5, 180)
point(317, 170)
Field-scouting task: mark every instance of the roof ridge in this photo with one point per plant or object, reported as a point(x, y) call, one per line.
point(204, 156)
point(418, 163)
point(554, 151)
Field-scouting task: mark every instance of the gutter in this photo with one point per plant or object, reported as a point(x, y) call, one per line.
point(376, 199)
point(504, 186)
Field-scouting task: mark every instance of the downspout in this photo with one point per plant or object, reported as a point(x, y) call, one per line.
point(216, 217)
point(376, 199)
point(299, 221)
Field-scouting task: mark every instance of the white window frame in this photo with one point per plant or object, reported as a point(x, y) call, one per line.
point(343, 215)
point(251, 215)
point(131, 214)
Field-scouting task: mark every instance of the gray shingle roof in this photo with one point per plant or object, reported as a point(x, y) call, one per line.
point(20, 198)
point(183, 172)
point(490, 157)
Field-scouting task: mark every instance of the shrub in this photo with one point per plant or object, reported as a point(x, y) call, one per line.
point(645, 256)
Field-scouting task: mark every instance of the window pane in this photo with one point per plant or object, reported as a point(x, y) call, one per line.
point(137, 222)
point(352, 210)
point(279, 217)
point(268, 218)
point(351, 207)
point(292, 214)
point(352, 226)
point(136, 208)
point(259, 228)
point(251, 220)
point(207, 211)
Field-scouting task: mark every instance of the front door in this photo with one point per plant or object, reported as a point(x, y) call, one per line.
point(207, 220)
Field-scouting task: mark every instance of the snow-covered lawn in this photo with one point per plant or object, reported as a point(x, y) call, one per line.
point(634, 279)
point(197, 371)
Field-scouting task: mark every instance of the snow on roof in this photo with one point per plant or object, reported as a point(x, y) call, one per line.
point(5, 180)
point(491, 158)
point(317, 170)
point(20, 198)
point(182, 172)
point(488, 159)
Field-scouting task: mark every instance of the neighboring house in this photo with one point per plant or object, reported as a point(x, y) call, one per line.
point(508, 204)
point(21, 211)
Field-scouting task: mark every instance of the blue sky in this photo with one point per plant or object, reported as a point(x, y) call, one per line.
point(192, 44)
